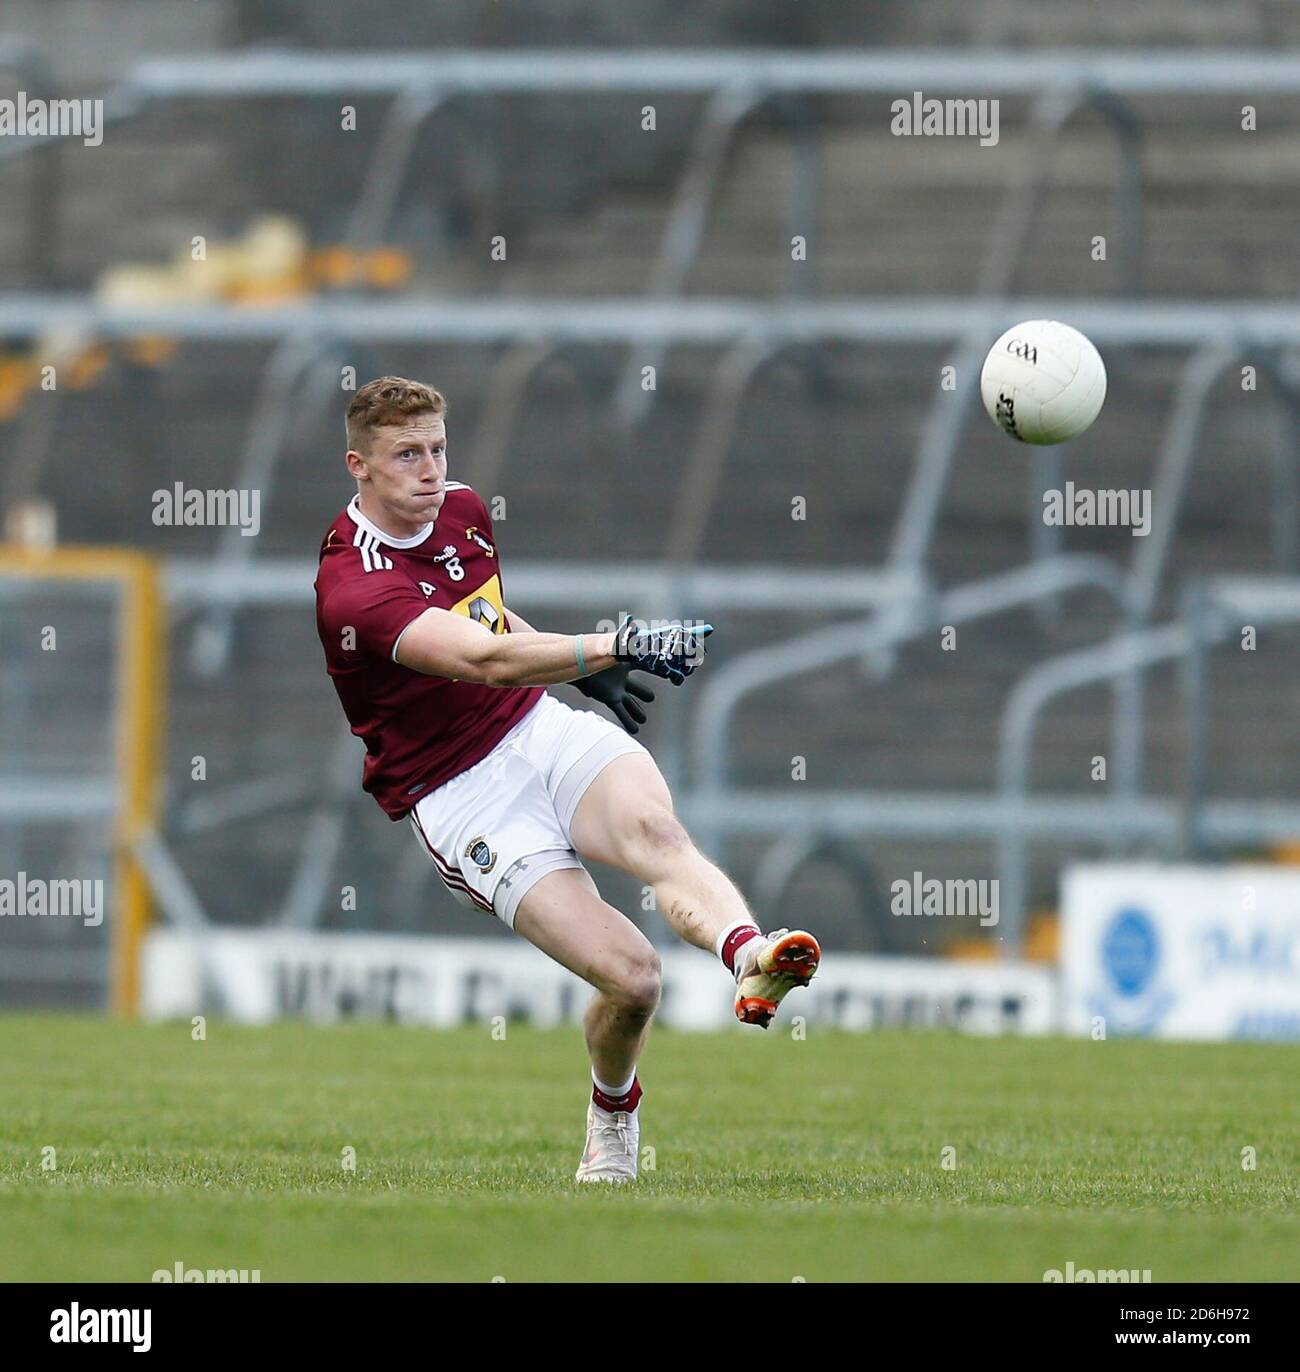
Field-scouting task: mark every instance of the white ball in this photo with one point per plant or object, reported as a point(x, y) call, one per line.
point(1043, 382)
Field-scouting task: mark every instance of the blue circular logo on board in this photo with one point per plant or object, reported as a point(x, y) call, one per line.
point(1130, 951)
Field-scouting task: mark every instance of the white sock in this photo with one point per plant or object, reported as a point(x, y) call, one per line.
point(615, 1092)
point(728, 931)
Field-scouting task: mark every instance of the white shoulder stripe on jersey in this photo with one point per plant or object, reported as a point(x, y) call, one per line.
point(371, 558)
point(381, 563)
point(359, 542)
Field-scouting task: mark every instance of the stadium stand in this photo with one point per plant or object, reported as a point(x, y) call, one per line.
point(584, 217)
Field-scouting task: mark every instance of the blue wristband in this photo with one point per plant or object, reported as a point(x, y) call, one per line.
point(582, 661)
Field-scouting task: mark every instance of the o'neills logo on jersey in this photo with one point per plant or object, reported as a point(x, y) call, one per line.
point(480, 854)
point(450, 559)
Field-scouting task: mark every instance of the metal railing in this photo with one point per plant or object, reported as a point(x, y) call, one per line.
point(1204, 623)
point(30, 65)
point(901, 602)
point(899, 595)
point(908, 617)
point(1174, 462)
point(688, 218)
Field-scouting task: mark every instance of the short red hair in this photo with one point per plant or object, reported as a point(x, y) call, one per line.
point(388, 400)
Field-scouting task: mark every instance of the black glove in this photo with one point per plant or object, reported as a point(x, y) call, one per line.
point(613, 687)
point(672, 651)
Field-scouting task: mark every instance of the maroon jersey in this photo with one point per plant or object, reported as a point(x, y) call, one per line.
point(419, 730)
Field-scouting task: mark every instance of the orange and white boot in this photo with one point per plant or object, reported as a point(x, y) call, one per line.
point(770, 967)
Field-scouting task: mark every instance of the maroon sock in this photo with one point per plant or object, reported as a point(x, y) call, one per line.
point(627, 1102)
point(734, 942)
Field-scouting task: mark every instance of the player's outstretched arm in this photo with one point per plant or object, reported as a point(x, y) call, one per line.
point(443, 643)
point(615, 688)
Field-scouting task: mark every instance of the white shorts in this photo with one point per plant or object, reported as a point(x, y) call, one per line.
point(502, 825)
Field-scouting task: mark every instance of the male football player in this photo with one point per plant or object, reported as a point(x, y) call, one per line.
point(507, 788)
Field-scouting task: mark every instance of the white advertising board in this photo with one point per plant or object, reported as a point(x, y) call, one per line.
point(1182, 952)
point(256, 977)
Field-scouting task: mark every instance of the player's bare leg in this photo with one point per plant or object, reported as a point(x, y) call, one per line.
point(565, 917)
point(626, 819)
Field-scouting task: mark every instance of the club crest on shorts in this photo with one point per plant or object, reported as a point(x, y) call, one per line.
point(480, 854)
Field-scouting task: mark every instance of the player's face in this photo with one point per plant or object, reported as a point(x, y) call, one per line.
point(406, 471)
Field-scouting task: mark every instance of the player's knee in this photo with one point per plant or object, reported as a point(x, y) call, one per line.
point(660, 835)
point(639, 983)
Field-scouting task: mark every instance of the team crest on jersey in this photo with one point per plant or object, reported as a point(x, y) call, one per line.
point(472, 532)
point(480, 854)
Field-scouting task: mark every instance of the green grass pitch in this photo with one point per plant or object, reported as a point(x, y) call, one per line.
point(774, 1158)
